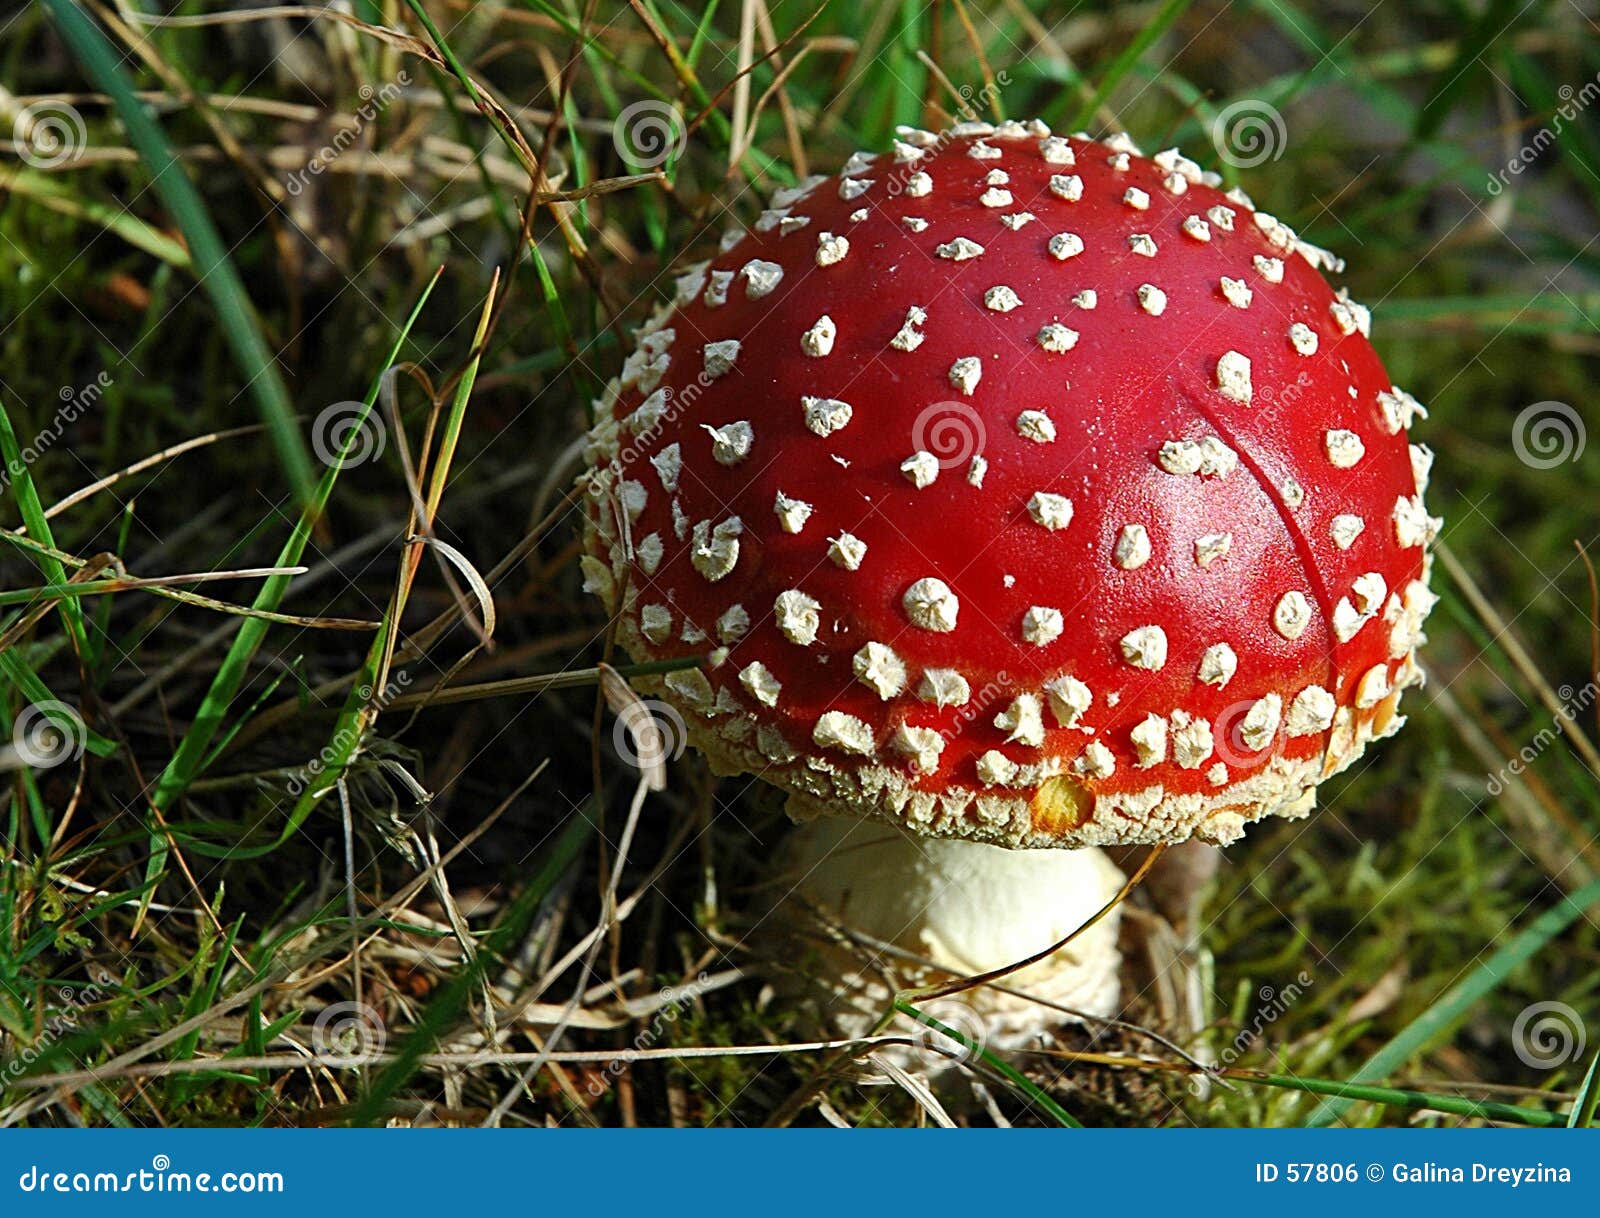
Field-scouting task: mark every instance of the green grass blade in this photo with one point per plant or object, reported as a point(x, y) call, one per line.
point(355, 717)
point(1130, 55)
point(16, 670)
point(52, 193)
point(547, 284)
point(1583, 1104)
point(230, 675)
point(1492, 24)
point(1398, 1097)
point(1451, 1006)
point(39, 528)
point(698, 42)
point(445, 1009)
point(213, 267)
point(1012, 1075)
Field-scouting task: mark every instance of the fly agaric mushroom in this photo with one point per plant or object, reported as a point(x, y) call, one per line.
point(967, 908)
point(1022, 489)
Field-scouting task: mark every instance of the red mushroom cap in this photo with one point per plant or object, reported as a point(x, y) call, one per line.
point(1029, 489)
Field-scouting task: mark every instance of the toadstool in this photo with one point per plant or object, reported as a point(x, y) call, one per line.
point(1024, 490)
point(966, 908)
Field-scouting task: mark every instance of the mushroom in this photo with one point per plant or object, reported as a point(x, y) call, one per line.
point(1022, 490)
point(966, 908)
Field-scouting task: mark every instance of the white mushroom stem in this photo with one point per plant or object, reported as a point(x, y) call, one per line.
point(967, 907)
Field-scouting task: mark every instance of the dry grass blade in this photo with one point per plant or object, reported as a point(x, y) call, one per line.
point(214, 268)
point(483, 626)
point(916, 1087)
point(1506, 637)
point(573, 678)
point(153, 461)
point(366, 700)
point(1542, 820)
point(162, 586)
point(651, 747)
